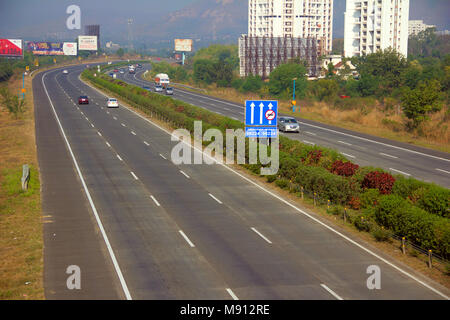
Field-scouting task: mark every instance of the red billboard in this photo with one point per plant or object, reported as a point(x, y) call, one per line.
point(11, 48)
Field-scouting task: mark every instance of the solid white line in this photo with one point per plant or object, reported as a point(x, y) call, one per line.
point(291, 205)
point(183, 173)
point(155, 201)
point(261, 235)
point(162, 156)
point(388, 155)
point(443, 171)
point(331, 291)
point(231, 293)
point(118, 157)
point(88, 195)
point(115, 118)
point(99, 134)
point(123, 125)
point(108, 144)
point(92, 125)
point(133, 133)
point(146, 143)
point(307, 142)
point(215, 198)
point(404, 173)
point(349, 155)
point(187, 239)
point(134, 176)
point(346, 143)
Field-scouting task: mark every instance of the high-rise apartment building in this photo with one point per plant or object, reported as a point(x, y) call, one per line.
point(93, 30)
point(417, 26)
point(292, 19)
point(372, 25)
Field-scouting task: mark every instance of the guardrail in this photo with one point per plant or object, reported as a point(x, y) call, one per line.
point(25, 177)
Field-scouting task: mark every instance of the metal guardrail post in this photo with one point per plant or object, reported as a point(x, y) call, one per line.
point(301, 190)
point(430, 259)
point(314, 199)
point(404, 245)
point(25, 177)
point(345, 214)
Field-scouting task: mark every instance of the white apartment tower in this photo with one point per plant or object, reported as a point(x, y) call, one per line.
point(372, 25)
point(292, 19)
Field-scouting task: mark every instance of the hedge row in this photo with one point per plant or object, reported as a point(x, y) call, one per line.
point(320, 170)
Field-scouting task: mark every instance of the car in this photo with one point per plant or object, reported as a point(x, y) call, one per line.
point(83, 100)
point(288, 124)
point(65, 72)
point(146, 88)
point(121, 71)
point(169, 91)
point(111, 74)
point(158, 88)
point(116, 70)
point(112, 103)
point(139, 65)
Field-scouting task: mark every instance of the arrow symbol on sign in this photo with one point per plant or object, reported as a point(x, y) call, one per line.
point(270, 108)
point(261, 109)
point(252, 106)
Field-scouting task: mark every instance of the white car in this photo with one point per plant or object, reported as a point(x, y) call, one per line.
point(112, 103)
point(65, 72)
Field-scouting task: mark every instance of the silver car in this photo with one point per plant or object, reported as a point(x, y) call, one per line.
point(288, 124)
point(158, 88)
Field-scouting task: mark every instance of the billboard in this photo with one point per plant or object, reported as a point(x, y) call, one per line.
point(70, 49)
point(11, 48)
point(184, 45)
point(87, 43)
point(45, 48)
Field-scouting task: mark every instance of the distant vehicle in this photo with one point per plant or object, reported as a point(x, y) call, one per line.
point(121, 71)
point(146, 88)
point(65, 72)
point(158, 88)
point(139, 66)
point(83, 100)
point(111, 74)
point(112, 103)
point(109, 62)
point(116, 70)
point(162, 79)
point(288, 124)
point(169, 91)
point(131, 71)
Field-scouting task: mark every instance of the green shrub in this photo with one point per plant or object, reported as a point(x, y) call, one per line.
point(436, 200)
point(369, 198)
point(271, 178)
point(336, 210)
point(362, 223)
point(282, 183)
point(404, 187)
point(381, 234)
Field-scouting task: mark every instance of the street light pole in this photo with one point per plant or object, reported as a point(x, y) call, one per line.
point(293, 97)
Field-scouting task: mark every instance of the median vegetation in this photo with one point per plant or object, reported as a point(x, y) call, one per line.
point(370, 198)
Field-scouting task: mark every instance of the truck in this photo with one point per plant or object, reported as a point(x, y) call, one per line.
point(131, 70)
point(162, 79)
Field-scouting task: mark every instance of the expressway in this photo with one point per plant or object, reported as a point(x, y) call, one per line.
point(140, 227)
point(365, 150)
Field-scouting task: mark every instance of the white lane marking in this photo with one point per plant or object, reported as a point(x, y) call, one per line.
point(261, 235)
point(115, 118)
point(99, 134)
point(231, 293)
point(183, 173)
point(346, 143)
point(349, 155)
point(388, 155)
point(133, 133)
point(155, 201)
point(311, 133)
point(123, 125)
point(107, 112)
point(107, 143)
point(82, 113)
point(331, 292)
point(307, 142)
point(118, 157)
point(426, 285)
point(146, 143)
point(92, 125)
point(186, 238)
point(404, 173)
point(443, 171)
point(134, 176)
point(215, 198)
point(162, 156)
point(88, 195)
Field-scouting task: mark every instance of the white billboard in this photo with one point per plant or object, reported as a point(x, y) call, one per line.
point(184, 45)
point(87, 43)
point(70, 48)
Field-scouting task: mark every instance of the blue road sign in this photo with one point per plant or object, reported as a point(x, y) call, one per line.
point(261, 113)
point(261, 132)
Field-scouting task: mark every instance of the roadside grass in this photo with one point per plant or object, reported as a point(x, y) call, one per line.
point(21, 244)
point(372, 119)
point(390, 249)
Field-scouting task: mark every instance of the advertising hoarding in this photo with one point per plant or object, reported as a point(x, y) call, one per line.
point(88, 43)
point(70, 49)
point(184, 45)
point(45, 48)
point(11, 48)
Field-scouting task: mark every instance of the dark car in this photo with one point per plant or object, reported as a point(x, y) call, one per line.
point(146, 88)
point(83, 100)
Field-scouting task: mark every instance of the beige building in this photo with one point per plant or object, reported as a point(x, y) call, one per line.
point(417, 26)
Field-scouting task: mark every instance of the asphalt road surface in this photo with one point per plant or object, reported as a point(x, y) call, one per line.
point(140, 227)
point(365, 150)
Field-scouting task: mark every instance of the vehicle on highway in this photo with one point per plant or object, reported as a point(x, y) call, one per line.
point(169, 91)
point(111, 74)
point(121, 71)
point(116, 70)
point(146, 88)
point(288, 124)
point(112, 103)
point(158, 88)
point(162, 79)
point(83, 100)
point(65, 72)
point(139, 66)
point(109, 62)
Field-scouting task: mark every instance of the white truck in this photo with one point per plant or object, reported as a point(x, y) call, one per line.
point(162, 80)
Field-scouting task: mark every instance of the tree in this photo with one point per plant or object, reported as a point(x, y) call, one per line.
point(120, 52)
point(324, 89)
point(251, 84)
point(281, 80)
point(204, 71)
point(418, 103)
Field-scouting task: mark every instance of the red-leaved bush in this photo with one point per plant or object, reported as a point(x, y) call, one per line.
point(378, 180)
point(345, 169)
point(313, 157)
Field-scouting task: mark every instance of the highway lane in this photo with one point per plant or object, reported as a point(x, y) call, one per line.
point(178, 235)
point(365, 150)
